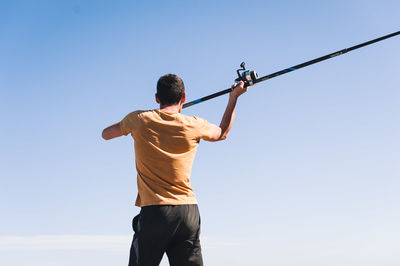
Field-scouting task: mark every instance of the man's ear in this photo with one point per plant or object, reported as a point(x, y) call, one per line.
point(183, 99)
point(157, 100)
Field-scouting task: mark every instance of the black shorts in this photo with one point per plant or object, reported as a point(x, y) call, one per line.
point(174, 229)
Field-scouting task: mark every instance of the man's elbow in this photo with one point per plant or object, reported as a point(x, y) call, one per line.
point(105, 136)
point(220, 135)
point(219, 138)
point(223, 137)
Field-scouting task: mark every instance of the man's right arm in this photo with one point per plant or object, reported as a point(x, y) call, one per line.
point(221, 132)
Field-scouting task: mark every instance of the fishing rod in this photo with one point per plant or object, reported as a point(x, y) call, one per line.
point(250, 77)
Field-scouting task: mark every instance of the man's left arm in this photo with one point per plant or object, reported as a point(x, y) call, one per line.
point(112, 131)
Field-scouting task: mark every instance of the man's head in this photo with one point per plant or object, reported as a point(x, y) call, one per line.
point(170, 90)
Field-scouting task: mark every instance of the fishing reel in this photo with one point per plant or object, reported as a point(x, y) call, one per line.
point(247, 76)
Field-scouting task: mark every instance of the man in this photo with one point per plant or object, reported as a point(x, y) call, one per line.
point(165, 145)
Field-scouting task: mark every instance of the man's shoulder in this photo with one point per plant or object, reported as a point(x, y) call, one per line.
point(133, 119)
point(140, 113)
point(192, 119)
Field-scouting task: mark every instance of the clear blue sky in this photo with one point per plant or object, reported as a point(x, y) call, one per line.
point(310, 174)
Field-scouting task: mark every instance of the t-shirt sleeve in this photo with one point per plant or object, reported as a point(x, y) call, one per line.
point(129, 123)
point(204, 128)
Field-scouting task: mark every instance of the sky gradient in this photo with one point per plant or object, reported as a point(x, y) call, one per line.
point(309, 175)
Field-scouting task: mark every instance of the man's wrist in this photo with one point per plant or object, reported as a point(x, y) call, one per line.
point(233, 96)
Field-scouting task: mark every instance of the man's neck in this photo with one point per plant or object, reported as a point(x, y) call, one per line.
point(171, 109)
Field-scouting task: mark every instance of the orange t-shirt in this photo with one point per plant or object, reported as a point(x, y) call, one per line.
point(165, 147)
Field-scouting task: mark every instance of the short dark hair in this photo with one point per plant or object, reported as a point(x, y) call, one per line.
point(170, 89)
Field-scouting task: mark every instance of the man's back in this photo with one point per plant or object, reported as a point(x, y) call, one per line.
point(165, 147)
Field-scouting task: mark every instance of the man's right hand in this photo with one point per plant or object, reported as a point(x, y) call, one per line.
point(238, 89)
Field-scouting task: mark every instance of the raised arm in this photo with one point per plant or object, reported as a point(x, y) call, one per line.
point(112, 131)
point(221, 132)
